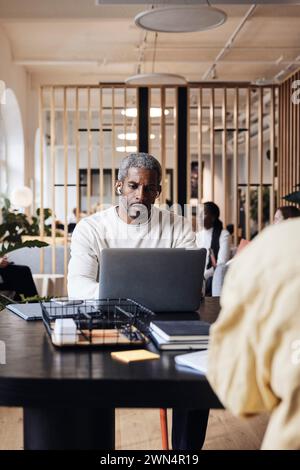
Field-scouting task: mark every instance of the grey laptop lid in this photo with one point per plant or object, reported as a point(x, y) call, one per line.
point(26, 311)
point(164, 280)
point(33, 311)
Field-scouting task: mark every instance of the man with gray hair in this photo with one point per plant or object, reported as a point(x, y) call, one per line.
point(134, 223)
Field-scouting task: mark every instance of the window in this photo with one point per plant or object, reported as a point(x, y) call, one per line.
point(11, 144)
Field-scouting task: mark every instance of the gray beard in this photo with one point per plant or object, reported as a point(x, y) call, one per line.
point(139, 213)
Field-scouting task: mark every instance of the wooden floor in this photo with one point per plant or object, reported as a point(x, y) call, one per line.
point(140, 429)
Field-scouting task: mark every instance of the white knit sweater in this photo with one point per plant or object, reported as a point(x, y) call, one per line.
point(106, 229)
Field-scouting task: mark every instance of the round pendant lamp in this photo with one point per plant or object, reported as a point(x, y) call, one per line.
point(181, 19)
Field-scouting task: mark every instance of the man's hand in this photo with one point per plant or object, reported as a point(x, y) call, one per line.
point(4, 262)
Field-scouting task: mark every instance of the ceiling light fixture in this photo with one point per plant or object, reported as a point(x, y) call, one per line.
point(132, 136)
point(153, 78)
point(128, 136)
point(156, 79)
point(127, 149)
point(181, 19)
point(154, 112)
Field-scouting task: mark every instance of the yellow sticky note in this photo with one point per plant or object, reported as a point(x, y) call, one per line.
point(134, 355)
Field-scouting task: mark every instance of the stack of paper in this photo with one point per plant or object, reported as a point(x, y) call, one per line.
point(196, 360)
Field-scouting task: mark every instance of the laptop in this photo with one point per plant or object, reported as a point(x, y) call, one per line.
point(162, 279)
point(33, 311)
point(28, 312)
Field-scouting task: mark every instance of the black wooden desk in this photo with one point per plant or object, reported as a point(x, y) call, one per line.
point(69, 396)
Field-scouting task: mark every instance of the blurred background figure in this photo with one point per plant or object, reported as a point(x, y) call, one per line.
point(16, 278)
point(230, 229)
point(215, 240)
point(286, 212)
point(72, 219)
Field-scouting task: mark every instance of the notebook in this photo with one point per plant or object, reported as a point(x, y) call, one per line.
point(181, 330)
point(177, 345)
point(196, 360)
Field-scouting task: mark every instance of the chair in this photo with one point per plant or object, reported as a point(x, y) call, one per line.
point(164, 428)
point(31, 258)
point(47, 283)
point(218, 279)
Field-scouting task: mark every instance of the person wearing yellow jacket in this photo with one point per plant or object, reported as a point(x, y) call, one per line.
point(254, 354)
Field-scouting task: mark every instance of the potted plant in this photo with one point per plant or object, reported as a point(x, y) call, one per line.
point(14, 225)
point(12, 228)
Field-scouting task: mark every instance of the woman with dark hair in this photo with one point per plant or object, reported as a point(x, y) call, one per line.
point(285, 212)
point(215, 240)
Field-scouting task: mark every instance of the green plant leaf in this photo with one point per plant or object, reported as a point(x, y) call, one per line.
point(8, 247)
point(35, 298)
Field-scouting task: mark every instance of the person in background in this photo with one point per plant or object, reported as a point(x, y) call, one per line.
point(215, 240)
point(285, 212)
point(254, 351)
point(230, 229)
point(16, 278)
point(72, 221)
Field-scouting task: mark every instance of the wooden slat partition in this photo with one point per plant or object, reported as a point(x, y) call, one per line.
point(298, 139)
point(101, 149)
point(224, 155)
point(188, 140)
point(175, 144)
point(286, 162)
point(260, 159)
point(281, 144)
point(210, 108)
point(163, 142)
point(77, 145)
point(212, 143)
point(65, 143)
point(41, 127)
point(113, 164)
point(246, 143)
point(89, 149)
point(200, 116)
point(248, 162)
point(289, 136)
point(235, 164)
point(294, 139)
point(125, 118)
point(52, 156)
point(272, 153)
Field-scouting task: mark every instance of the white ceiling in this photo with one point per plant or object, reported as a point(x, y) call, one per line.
point(78, 42)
